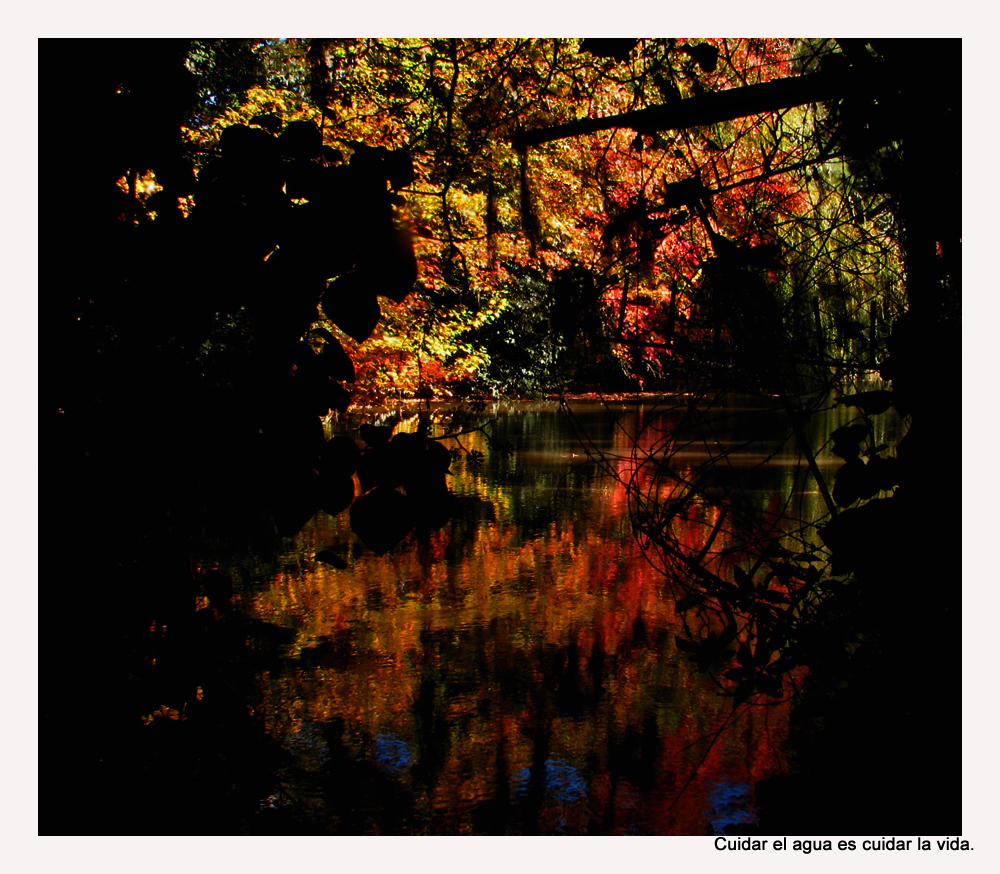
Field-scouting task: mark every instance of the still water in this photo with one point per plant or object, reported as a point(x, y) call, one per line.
point(516, 670)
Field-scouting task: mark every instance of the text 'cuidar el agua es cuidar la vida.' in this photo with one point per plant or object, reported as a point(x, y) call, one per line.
point(869, 844)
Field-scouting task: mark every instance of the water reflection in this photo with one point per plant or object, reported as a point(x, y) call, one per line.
point(516, 671)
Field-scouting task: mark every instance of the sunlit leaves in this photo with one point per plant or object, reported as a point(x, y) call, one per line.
point(447, 110)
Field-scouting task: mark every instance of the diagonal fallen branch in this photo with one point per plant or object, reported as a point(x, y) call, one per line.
point(705, 109)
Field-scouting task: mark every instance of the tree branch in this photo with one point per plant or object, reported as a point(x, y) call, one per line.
point(705, 109)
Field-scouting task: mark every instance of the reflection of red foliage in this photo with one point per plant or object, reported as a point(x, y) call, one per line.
point(511, 630)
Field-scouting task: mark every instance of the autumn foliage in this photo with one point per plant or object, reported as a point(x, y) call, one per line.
point(636, 222)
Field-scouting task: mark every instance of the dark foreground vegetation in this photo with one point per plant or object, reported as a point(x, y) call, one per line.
point(259, 236)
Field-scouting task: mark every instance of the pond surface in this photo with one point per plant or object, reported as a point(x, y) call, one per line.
point(516, 671)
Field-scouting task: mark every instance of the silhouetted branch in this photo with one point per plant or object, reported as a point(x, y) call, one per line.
point(705, 109)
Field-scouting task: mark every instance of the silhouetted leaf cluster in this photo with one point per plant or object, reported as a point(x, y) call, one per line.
point(383, 515)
